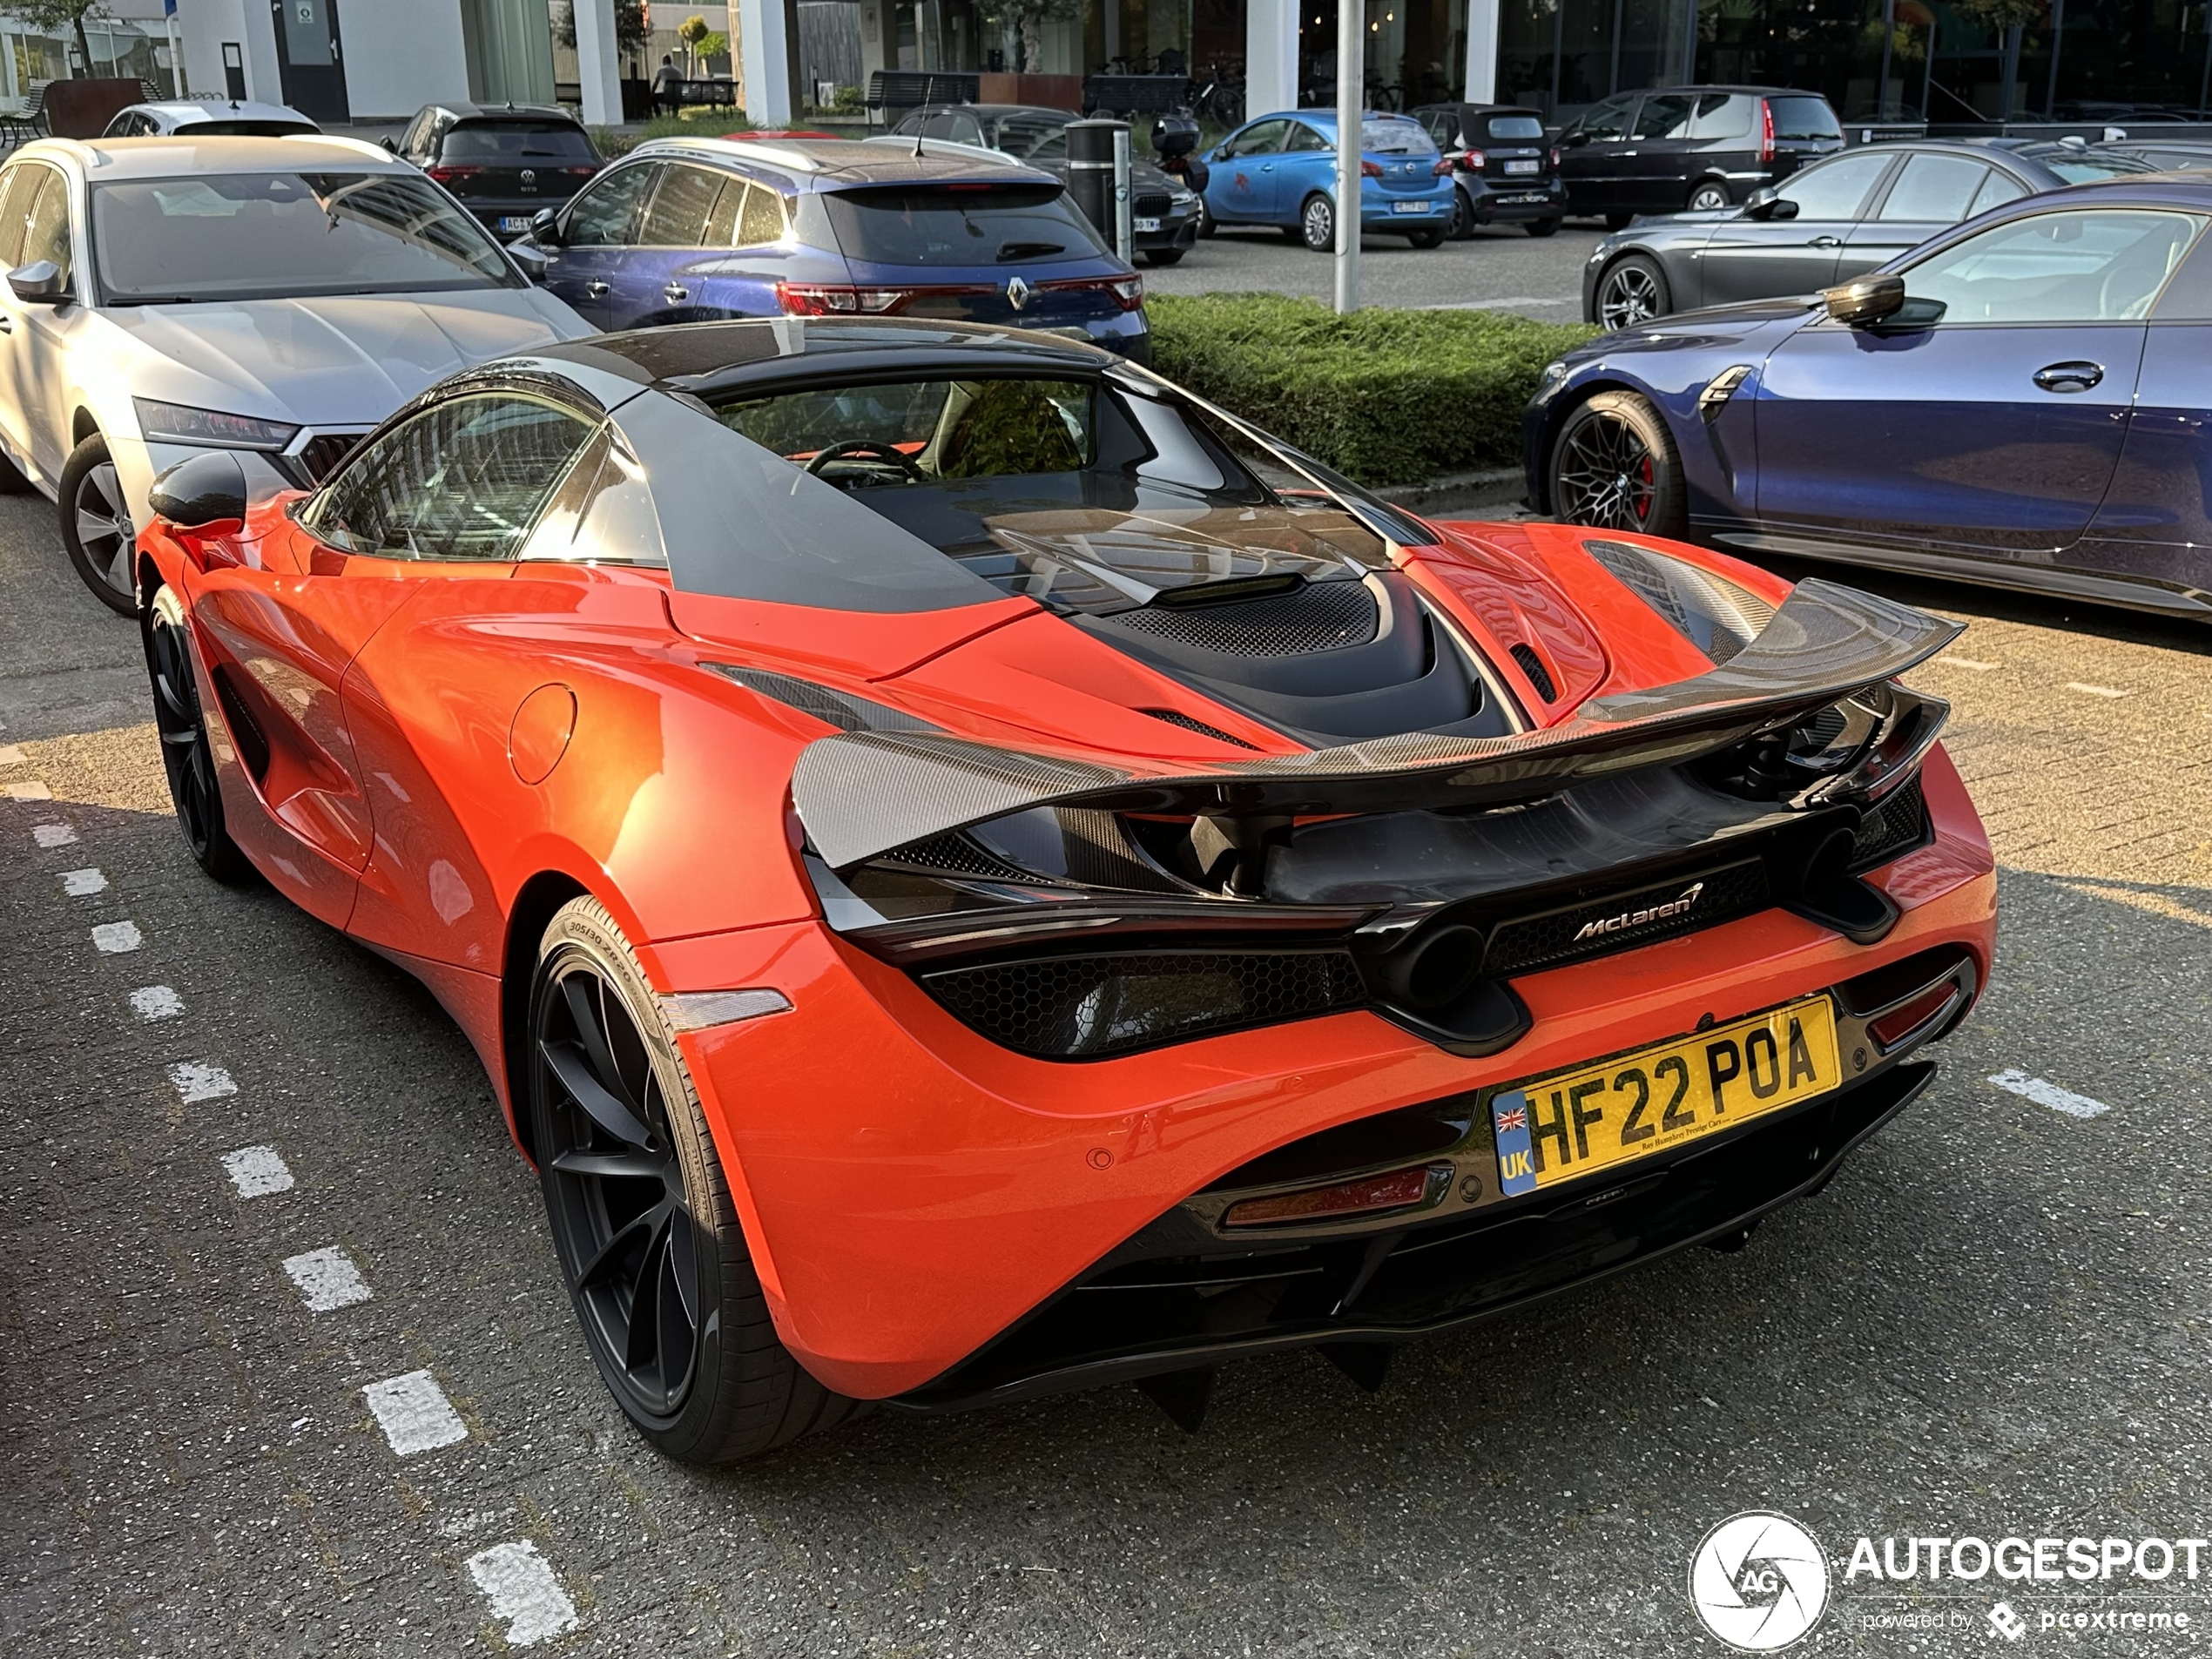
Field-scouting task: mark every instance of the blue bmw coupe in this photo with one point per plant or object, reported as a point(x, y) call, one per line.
point(1281, 170)
point(2024, 400)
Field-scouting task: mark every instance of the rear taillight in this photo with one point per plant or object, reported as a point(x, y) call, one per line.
point(583, 173)
point(1392, 1191)
point(826, 299)
point(445, 173)
point(1473, 161)
point(1128, 292)
point(1766, 130)
point(1554, 156)
point(1370, 169)
point(1900, 1023)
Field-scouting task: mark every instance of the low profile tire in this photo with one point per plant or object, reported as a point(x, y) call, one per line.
point(1708, 196)
point(1432, 237)
point(1164, 256)
point(1618, 221)
point(1317, 224)
point(187, 755)
point(1632, 291)
point(96, 525)
point(1614, 466)
point(649, 1240)
point(1543, 227)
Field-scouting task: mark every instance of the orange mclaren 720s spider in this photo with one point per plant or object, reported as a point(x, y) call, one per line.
point(974, 872)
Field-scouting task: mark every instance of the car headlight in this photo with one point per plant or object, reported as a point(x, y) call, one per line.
point(179, 423)
point(1184, 198)
point(1551, 373)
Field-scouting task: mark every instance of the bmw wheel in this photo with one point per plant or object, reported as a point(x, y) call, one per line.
point(186, 754)
point(1615, 467)
point(1632, 291)
point(649, 1239)
point(96, 525)
point(1709, 196)
point(1317, 224)
point(1207, 223)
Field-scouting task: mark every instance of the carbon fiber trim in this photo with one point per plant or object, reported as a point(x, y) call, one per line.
point(840, 709)
point(862, 793)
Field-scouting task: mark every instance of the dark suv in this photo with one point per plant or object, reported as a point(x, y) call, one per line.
point(1698, 147)
point(504, 162)
point(1505, 171)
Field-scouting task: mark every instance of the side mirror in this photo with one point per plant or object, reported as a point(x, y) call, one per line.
point(534, 260)
point(206, 493)
point(545, 228)
point(1765, 204)
point(39, 283)
point(1574, 141)
point(1864, 300)
point(391, 144)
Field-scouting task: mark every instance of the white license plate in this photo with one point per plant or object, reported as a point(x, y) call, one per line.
point(1409, 207)
point(514, 221)
point(1146, 224)
point(1521, 167)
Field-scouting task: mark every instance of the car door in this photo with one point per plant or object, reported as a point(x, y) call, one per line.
point(1652, 162)
point(20, 187)
point(39, 336)
point(1994, 430)
point(656, 280)
point(1589, 160)
point(598, 232)
point(1925, 197)
point(1241, 188)
point(750, 227)
point(1791, 246)
point(1309, 163)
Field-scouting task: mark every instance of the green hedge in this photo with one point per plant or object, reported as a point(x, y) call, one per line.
point(1385, 396)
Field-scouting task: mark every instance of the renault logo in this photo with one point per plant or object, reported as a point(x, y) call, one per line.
point(1017, 293)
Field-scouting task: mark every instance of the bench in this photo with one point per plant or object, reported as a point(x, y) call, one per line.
point(1136, 94)
point(715, 92)
point(899, 89)
point(30, 123)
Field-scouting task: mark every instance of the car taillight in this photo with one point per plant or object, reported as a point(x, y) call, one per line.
point(583, 173)
point(1370, 169)
point(828, 300)
point(1128, 292)
point(1766, 130)
point(1473, 161)
point(445, 173)
point(1555, 155)
point(1391, 1191)
point(1899, 1024)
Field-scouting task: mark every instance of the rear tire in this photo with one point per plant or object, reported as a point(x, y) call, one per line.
point(1543, 227)
point(1432, 237)
point(1632, 291)
point(186, 754)
point(708, 1382)
point(96, 525)
point(1463, 217)
point(1614, 466)
point(1317, 224)
point(1207, 223)
point(1707, 195)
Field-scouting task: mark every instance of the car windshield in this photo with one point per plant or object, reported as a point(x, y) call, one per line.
point(278, 235)
point(2079, 167)
point(1021, 135)
point(1395, 135)
point(1803, 116)
point(245, 129)
point(967, 224)
point(516, 141)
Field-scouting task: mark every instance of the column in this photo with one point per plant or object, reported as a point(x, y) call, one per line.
point(763, 67)
point(1271, 57)
point(1482, 52)
point(596, 71)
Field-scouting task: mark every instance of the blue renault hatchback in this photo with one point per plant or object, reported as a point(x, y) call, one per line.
point(692, 230)
point(1282, 170)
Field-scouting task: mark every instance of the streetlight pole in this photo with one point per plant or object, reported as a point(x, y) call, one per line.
point(1351, 74)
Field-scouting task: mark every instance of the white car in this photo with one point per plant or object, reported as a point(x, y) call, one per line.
point(278, 297)
point(207, 119)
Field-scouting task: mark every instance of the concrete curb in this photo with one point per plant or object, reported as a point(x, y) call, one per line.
point(1497, 488)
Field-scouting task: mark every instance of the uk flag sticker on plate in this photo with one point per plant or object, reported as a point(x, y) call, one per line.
point(1516, 1159)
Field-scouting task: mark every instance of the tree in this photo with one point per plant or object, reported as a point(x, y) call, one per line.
point(46, 15)
point(693, 31)
point(633, 28)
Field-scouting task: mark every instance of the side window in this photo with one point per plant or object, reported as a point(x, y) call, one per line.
point(722, 218)
point(462, 480)
point(678, 215)
point(604, 214)
point(1996, 190)
point(411, 140)
point(1935, 187)
point(1304, 139)
point(1834, 189)
point(18, 189)
point(46, 232)
point(1261, 138)
point(1666, 117)
point(1722, 115)
point(2081, 267)
point(763, 222)
point(1608, 119)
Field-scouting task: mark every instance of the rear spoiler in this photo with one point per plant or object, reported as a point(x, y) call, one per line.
point(862, 793)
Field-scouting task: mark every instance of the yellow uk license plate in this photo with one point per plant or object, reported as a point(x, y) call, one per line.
point(1573, 1123)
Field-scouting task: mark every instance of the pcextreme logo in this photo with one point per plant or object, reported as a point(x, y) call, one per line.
point(1628, 919)
point(1759, 1580)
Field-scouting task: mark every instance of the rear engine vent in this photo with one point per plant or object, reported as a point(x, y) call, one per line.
point(1539, 676)
point(1624, 921)
point(1176, 718)
point(1087, 1008)
point(957, 855)
point(1321, 616)
point(1897, 826)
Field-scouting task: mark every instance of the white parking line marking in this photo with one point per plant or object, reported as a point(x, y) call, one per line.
point(156, 1003)
point(2044, 1094)
point(415, 1414)
point(521, 1589)
point(197, 1080)
point(32, 790)
point(327, 1279)
point(2088, 689)
point(83, 884)
point(256, 1171)
point(11, 755)
point(1968, 662)
point(118, 938)
point(1506, 300)
point(53, 834)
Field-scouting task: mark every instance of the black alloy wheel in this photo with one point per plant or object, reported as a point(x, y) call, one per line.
point(1317, 224)
point(187, 756)
point(648, 1237)
point(1613, 467)
point(96, 525)
point(1632, 291)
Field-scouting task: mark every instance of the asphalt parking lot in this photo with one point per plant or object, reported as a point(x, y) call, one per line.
point(221, 1117)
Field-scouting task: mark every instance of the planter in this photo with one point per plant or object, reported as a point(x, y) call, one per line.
point(1048, 92)
point(82, 109)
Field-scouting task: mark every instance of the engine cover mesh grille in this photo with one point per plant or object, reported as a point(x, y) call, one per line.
point(1899, 825)
point(1322, 616)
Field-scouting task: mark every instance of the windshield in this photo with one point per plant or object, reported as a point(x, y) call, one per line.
point(245, 129)
point(1803, 116)
point(2077, 167)
point(1022, 135)
point(1394, 135)
point(961, 225)
point(516, 141)
point(278, 235)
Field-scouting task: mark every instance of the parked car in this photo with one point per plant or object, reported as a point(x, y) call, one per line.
point(687, 230)
point(974, 874)
point(1698, 147)
point(274, 297)
point(2167, 155)
point(2020, 401)
point(504, 163)
point(1502, 164)
point(207, 119)
point(1827, 223)
point(1281, 170)
point(1164, 214)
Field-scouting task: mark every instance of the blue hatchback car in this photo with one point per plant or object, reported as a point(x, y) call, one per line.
point(2025, 400)
point(692, 230)
point(1282, 170)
